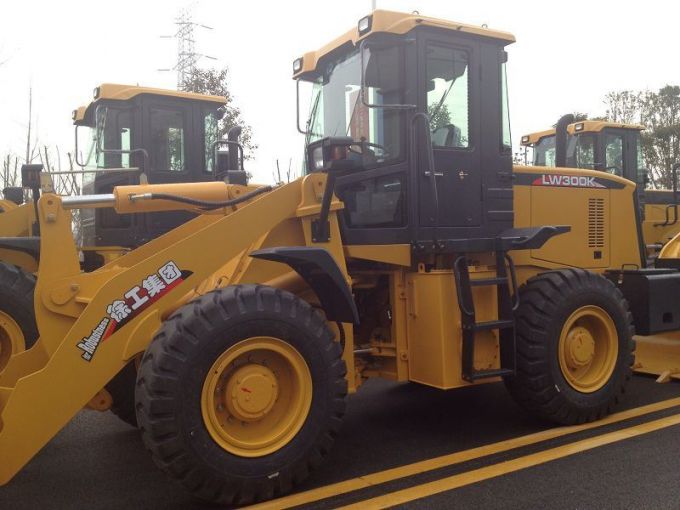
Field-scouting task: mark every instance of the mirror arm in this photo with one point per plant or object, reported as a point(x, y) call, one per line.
point(77, 159)
point(320, 226)
point(430, 171)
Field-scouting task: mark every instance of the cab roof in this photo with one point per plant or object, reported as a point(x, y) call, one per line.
point(583, 126)
point(119, 92)
point(395, 23)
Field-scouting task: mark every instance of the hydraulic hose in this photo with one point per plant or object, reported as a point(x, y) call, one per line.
point(203, 204)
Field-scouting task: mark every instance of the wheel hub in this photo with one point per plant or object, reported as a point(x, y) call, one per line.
point(11, 338)
point(588, 348)
point(251, 392)
point(256, 396)
point(580, 347)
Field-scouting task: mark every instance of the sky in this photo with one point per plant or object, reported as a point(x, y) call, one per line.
point(565, 59)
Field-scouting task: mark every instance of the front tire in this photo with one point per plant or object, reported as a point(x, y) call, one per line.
point(241, 394)
point(18, 329)
point(574, 346)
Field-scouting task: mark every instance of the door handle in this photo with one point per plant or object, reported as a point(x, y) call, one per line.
point(462, 174)
point(436, 174)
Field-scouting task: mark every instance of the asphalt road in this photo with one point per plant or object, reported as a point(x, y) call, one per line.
point(98, 462)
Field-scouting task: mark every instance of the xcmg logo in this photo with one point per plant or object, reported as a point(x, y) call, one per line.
point(572, 181)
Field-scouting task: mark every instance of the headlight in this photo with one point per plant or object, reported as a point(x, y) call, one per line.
point(525, 139)
point(95, 92)
point(364, 25)
point(579, 127)
point(297, 65)
point(74, 114)
point(317, 158)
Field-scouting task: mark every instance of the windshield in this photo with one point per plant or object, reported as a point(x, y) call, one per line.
point(544, 151)
point(336, 108)
point(114, 132)
point(582, 155)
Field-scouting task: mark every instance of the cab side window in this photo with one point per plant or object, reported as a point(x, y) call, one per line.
point(167, 135)
point(448, 103)
point(210, 136)
point(376, 202)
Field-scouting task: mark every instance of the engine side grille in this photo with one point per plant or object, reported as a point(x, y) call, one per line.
point(596, 222)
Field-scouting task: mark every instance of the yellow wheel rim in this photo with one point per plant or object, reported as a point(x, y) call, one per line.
point(588, 349)
point(256, 396)
point(11, 338)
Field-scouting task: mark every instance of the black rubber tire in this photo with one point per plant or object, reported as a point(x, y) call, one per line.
point(171, 378)
point(546, 302)
point(122, 390)
point(16, 300)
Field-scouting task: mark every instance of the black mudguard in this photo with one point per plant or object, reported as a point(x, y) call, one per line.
point(318, 268)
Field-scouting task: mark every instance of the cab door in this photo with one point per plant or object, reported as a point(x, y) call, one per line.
point(168, 133)
point(450, 74)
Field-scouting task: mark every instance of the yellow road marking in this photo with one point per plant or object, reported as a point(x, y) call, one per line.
point(388, 475)
point(502, 468)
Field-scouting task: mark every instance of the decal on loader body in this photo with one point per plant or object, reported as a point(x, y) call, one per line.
point(572, 181)
point(134, 300)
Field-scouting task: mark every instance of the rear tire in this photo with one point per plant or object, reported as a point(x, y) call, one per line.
point(18, 330)
point(575, 347)
point(195, 384)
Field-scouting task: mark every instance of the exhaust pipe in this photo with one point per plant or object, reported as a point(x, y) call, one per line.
point(561, 139)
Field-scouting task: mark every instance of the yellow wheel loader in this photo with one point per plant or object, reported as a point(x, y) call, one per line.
point(412, 250)
point(614, 148)
point(125, 135)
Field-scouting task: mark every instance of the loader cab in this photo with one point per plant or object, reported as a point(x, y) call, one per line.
point(132, 135)
point(607, 146)
point(424, 104)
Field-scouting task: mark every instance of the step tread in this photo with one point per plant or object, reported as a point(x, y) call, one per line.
point(497, 324)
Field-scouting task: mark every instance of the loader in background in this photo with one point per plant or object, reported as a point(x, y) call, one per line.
point(409, 251)
point(614, 148)
point(125, 135)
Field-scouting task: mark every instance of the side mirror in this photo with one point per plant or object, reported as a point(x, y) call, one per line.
point(332, 154)
point(220, 112)
point(229, 162)
point(224, 169)
point(30, 176)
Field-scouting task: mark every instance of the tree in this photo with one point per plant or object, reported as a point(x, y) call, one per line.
point(439, 115)
point(660, 114)
point(216, 82)
point(623, 106)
